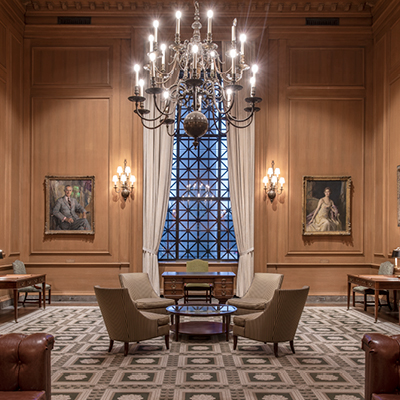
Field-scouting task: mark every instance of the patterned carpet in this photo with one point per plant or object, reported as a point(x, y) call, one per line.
point(328, 364)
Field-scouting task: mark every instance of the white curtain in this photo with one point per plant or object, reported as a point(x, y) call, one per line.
point(241, 187)
point(157, 164)
point(241, 182)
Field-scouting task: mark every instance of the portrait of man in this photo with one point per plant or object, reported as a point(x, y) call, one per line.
point(69, 204)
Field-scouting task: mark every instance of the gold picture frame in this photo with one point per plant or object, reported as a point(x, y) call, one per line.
point(75, 216)
point(326, 205)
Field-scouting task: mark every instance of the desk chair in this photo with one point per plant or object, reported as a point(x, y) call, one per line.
point(197, 266)
point(19, 268)
point(385, 268)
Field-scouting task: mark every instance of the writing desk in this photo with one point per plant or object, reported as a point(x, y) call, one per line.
point(375, 282)
point(174, 283)
point(15, 282)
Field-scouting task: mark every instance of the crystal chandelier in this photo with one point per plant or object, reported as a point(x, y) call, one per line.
point(195, 80)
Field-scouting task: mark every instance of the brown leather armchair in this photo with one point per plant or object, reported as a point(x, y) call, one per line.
point(382, 357)
point(25, 368)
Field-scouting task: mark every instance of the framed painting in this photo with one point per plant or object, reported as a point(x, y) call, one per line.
point(326, 205)
point(69, 205)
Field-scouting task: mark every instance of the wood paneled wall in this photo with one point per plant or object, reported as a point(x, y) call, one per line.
point(328, 94)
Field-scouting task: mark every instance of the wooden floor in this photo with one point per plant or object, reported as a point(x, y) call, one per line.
point(7, 314)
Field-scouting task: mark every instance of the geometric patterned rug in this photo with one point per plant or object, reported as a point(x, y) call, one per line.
point(328, 364)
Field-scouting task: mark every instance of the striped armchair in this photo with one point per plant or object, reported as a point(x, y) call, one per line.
point(277, 323)
point(259, 294)
point(124, 322)
point(143, 294)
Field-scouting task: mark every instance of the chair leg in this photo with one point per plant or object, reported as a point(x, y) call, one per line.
point(234, 342)
point(23, 302)
point(126, 348)
point(388, 301)
point(365, 302)
point(167, 341)
point(292, 346)
point(49, 299)
point(354, 299)
point(276, 349)
point(111, 345)
point(40, 299)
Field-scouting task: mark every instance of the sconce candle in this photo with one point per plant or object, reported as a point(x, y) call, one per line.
point(272, 182)
point(126, 181)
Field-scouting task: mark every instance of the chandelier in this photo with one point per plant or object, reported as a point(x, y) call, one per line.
point(195, 80)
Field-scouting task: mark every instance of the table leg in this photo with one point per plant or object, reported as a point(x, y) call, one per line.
point(227, 325)
point(396, 308)
point(44, 294)
point(16, 295)
point(376, 304)
point(177, 328)
point(348, 294)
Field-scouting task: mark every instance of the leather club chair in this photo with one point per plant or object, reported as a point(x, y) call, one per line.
point(382, 358)
point(25, 367)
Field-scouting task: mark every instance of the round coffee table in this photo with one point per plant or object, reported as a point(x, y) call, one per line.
point(201, 328)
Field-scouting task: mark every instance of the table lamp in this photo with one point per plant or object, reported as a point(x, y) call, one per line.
point(396, 255)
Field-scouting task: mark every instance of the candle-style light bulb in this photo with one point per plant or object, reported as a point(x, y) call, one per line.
point(242, 42)
point(141, 85)
point(155, 24)
point(195, 49)
point(151, 41)
point(178, 16)
point(232, 53)
point(234, 30)
point(136, 69)
point(152, 57)
point(163, 48)
point(209, 21)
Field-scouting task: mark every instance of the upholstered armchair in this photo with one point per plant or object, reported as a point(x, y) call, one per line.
point(386, 268)
point(259, 293)
point(143, 294)
point(382, 358)
point(19, 268)
point(25, 366)
point(277, 323)
point(123, 320)
point(197, 266)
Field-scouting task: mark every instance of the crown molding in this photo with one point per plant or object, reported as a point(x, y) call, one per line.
point(91, 7)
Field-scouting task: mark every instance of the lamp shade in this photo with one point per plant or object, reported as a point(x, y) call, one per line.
point(396, 253)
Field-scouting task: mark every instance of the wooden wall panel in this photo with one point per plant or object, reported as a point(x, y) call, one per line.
point(394, 161)
point(326, 67)
point(326, 139)
point(3, 45)
point(71, 66)
point(16, 145)
point(70, 137)
point(3, 160)
point(395, 45)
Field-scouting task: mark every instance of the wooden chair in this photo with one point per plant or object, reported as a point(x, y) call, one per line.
point(277, 323)
point(123, 320)
point(19, 268)
point(197, 266)
point(386, 268)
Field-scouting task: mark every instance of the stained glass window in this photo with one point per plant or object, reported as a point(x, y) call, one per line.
point(199, 217)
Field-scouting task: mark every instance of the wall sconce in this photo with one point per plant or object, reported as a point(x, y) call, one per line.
point(125, 181)
point(396, 255)
point(271, 182)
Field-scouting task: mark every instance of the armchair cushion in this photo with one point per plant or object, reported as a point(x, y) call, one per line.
point(151, 303)
point(161, 319)
point(240, 320)
point(249, 304)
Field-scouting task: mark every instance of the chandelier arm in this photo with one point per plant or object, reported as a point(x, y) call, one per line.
point(165, 114)
point(234, 119)
point(147, 119)
point(241, 126)
point(152, 127)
